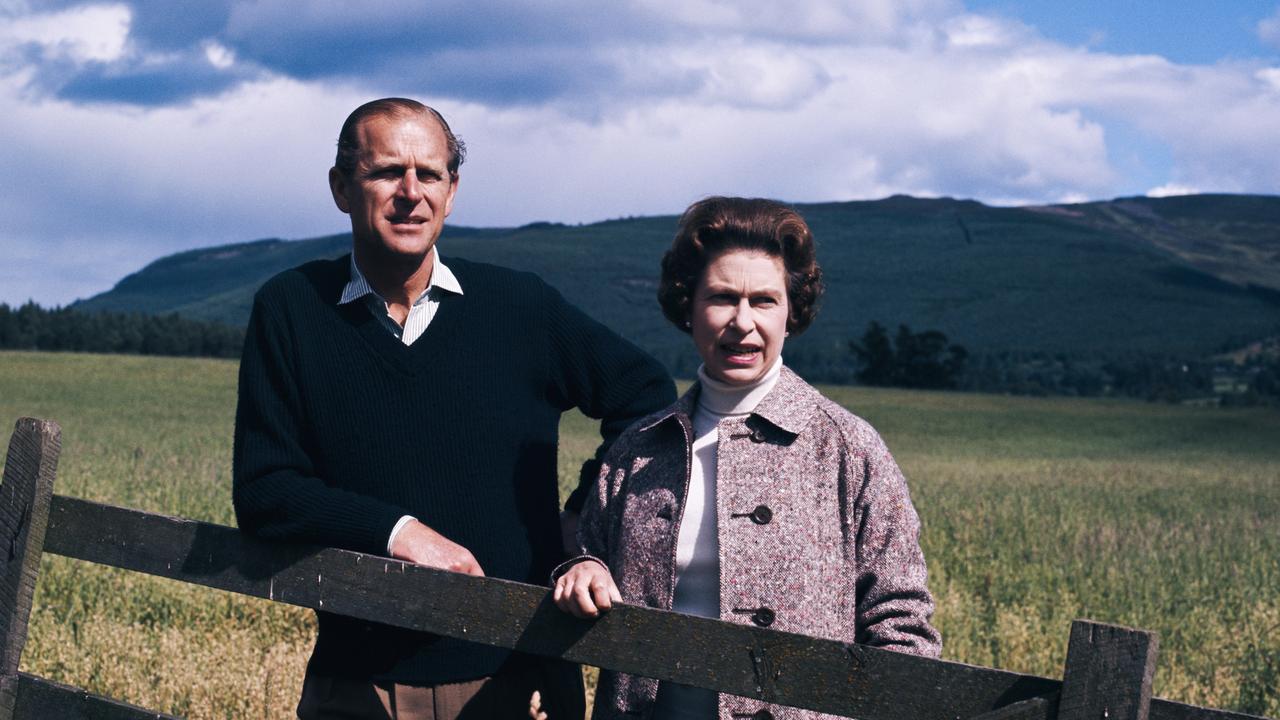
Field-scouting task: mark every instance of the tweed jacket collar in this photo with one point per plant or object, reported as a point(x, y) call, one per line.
point(788, 406)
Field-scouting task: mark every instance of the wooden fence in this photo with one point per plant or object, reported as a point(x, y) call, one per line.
point(1108, 669)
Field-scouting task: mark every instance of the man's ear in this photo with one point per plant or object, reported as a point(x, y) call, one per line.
point(338, 185)
point(453, 190)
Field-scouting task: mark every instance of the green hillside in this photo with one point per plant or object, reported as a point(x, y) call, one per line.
point(1180, 276)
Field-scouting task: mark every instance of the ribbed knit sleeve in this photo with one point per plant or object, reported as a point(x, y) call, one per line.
point(603, 375)
point(276, 492)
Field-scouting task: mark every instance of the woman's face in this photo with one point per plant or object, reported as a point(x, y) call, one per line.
point(739, 315)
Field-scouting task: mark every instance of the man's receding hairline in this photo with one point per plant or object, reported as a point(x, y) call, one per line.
point(399, 112)
point(350, 147)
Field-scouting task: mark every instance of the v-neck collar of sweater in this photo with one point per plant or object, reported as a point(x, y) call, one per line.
point(411, 359)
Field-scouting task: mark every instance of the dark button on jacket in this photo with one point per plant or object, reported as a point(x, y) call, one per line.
point(761, 515)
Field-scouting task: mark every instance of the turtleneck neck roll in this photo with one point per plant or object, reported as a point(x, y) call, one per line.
point(722, 400)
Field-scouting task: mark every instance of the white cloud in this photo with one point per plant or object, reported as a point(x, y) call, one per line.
point(752, 75)
point(1270, 76)
point(81, 34)
point(842, 21)
point(219, 56)
point(1216, 121)
point(1171, 190)
point(888, 122)
point(1269, 29)
point(977, 31)
point(109, 189)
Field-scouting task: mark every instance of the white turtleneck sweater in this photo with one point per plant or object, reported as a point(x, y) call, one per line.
point(697, 590)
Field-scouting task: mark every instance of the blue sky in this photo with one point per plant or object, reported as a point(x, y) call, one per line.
point(134, 130)
point(1179, 30)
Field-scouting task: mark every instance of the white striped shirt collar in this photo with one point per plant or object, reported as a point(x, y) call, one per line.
point(441, 277)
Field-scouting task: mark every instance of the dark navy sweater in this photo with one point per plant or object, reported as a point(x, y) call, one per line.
point(341, 429)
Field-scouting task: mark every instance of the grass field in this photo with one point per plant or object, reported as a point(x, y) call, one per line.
point(1035, 511)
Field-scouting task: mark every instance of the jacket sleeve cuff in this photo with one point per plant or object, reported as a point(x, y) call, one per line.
point(391, 539)
point(563, 567)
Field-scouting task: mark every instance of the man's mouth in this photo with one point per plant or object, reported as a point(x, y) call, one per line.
point(406, 220)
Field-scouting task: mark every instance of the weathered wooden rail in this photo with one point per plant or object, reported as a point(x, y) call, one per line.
point(1108, 669)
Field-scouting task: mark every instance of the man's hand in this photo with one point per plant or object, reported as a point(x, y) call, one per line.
point(535, 706)
point(569, 532)
point(419, 544)
point(586, 590)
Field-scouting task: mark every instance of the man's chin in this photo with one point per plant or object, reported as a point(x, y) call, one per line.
point(395, 252)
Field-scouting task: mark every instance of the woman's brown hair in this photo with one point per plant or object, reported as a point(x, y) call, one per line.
point(716, 225)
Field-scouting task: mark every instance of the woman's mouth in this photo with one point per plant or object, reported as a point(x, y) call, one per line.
point(741, 354)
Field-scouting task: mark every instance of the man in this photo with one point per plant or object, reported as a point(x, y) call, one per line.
point(393, 402)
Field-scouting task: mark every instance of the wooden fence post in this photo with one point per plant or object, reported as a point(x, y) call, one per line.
point(25, 494)
point(1108, 673)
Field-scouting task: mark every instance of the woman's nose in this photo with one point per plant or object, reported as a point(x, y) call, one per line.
point(742, 319)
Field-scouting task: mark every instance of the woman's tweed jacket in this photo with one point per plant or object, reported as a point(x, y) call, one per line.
point(838, 556)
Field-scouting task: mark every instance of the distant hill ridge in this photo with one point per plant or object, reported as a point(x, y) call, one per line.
point(1183, 276)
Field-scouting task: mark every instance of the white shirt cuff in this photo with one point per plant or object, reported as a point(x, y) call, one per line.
point(395, 530)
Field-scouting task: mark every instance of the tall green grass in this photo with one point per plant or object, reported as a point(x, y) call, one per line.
point(154, 434)
point(1035, 512)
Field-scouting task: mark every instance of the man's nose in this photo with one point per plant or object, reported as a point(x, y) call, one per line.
point(410, 189)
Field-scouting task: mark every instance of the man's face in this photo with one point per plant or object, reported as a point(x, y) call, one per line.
point(400, 191)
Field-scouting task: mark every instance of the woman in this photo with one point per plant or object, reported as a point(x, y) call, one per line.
point(752, 499)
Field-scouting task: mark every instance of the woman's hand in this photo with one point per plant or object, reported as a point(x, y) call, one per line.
point(586, 590)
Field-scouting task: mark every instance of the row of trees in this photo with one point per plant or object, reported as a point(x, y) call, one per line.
point(911, 360)
point(908, 359)
point(31, 327)
point(1142, 376)
point(927, 360)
